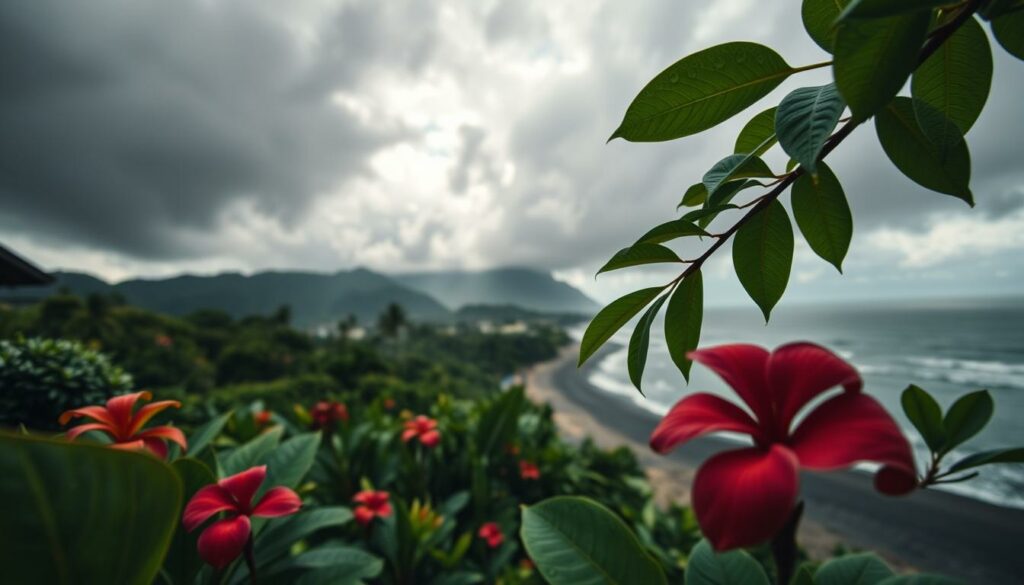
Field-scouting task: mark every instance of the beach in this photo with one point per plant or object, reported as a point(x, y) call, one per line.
point(930, 531)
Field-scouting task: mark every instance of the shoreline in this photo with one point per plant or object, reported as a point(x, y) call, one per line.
point(930, 530)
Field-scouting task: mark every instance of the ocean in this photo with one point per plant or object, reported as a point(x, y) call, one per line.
point(948, 347)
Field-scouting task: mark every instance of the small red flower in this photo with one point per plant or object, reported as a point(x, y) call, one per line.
point(423, 427)
point(262, 418)
point(744, 496)
point(124, 427)
point(527, 470)
point(512, 449)
point(327, 415)
point(389, 403)
point(492, 534)
point(222, 542)
point(163, 340)
point(371, 504)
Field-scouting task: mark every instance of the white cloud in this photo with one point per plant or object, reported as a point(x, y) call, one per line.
point(949, 239)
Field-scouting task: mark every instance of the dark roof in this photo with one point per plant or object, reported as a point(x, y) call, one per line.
point(16, 271)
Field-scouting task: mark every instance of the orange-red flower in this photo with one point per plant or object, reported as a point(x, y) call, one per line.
point(389, 403)
point(262, 418)
point(527, 470)
point(327, 415)
point(117, 420)
point(744, 496)
point(371, 505)
point(491, 533)
point(424, 428)
point(222, 542)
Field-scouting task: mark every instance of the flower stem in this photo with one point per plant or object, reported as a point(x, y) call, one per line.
point(250, 560)
point(784, 549)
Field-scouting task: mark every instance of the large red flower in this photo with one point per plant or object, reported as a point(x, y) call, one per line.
point(224, 540)
point(117, 420)
point(423, 427)
point(744, 496)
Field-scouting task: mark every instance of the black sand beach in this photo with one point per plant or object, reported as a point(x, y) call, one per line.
point(931, 530)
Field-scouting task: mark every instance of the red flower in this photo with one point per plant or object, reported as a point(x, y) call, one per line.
point(528, 470)
point(389, 403)
point(423, 427)
point(491, 533)
point(326, 415)
point(163, 340)
point(124, 427)
point(224, 540)
point(262, 418)
point(372, 504)
point(744, 496)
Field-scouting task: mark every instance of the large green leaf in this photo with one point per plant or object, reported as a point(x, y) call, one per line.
point(334, 564)
point(804, 121)
point(1009, 31)
point(874, 58)
point(968, 415)
point(290, 461)
point(205, 434)
point(251, 453)
point(81, 513)
point(758, 135)
point(695, 194)
point(576, 541)
point(611, 318)
point(733, 167)
point(183, 563)
point(737, 567)
point(920, 580)
point(671, 230)
point(857, 569)
point(819, 18)
point(702, 90)
point(997, 8)
point(821, 211)
point(636, 353)
point(919, 158)
point(763, 256)
point(883, 8)
point(955, 81)
point(925, 414)
point(683, 319)
point(638, 255)
point(804, 576)
point(282, 533)
point(1011, 455)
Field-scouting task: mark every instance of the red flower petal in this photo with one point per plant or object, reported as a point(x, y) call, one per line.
point(363, 515)
point(206, 502)
point(744, 368)
point(224, 540)
point(138, 445)
point(278, 501)
point(97, 413)
point(120, 409)
point(156, 447)
point(147, 412)
point(170, 433)
point(243, 486)
point(743, 497)
point(700, 414)
point(798, 372)
point(408, 434)
point(73, 433)
point(430, 438)
point(850, 428)
point(384, 510)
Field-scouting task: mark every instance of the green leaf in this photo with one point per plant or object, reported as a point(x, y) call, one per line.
point(874, 58)
point(671, 230)
point(925, 414)
point(702, 90)
point(883, 8)
point(819, 18)
point(291, 461)
point(1009, 31)
point(282, 533)
point(968, 415)
point(804, 121)
point(683, 319)
point(183, 563)
point(636, 354)
point(611, 318)
point(207, 433)
point(575, 540)
point(81, 513)
point(857, 569)
point(252, 452)
point(638, 255)
point(955, 82)
point(707, 213)
point(1012, 455)
point(763, 256)
point(997, 8)
point(920, 580)
point(919, 158)
point(333, 564)
point(821, 211)
point(758, 135)
point(499, 422)
point(804, 576)
point(720, 200)
point(732, 167)
point(695, 195)
point(737, 567)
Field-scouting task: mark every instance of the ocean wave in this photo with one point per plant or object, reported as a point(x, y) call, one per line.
point(991, 374)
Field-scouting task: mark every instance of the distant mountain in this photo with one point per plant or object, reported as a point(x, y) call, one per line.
point(314, 298)
point(523, 287)
point(509, 313)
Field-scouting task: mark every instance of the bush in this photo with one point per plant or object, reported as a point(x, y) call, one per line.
point(40, 378)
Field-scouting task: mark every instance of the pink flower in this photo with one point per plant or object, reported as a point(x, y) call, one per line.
point(372, 505)
point(527, 470)
point(744, 496)
point(425, 428)
point(125, 428)
point(222, 542)
point(492, 534)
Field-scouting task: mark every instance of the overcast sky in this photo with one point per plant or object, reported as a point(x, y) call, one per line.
point(148, 138)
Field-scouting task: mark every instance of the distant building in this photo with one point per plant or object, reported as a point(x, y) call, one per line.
point(16, 272)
